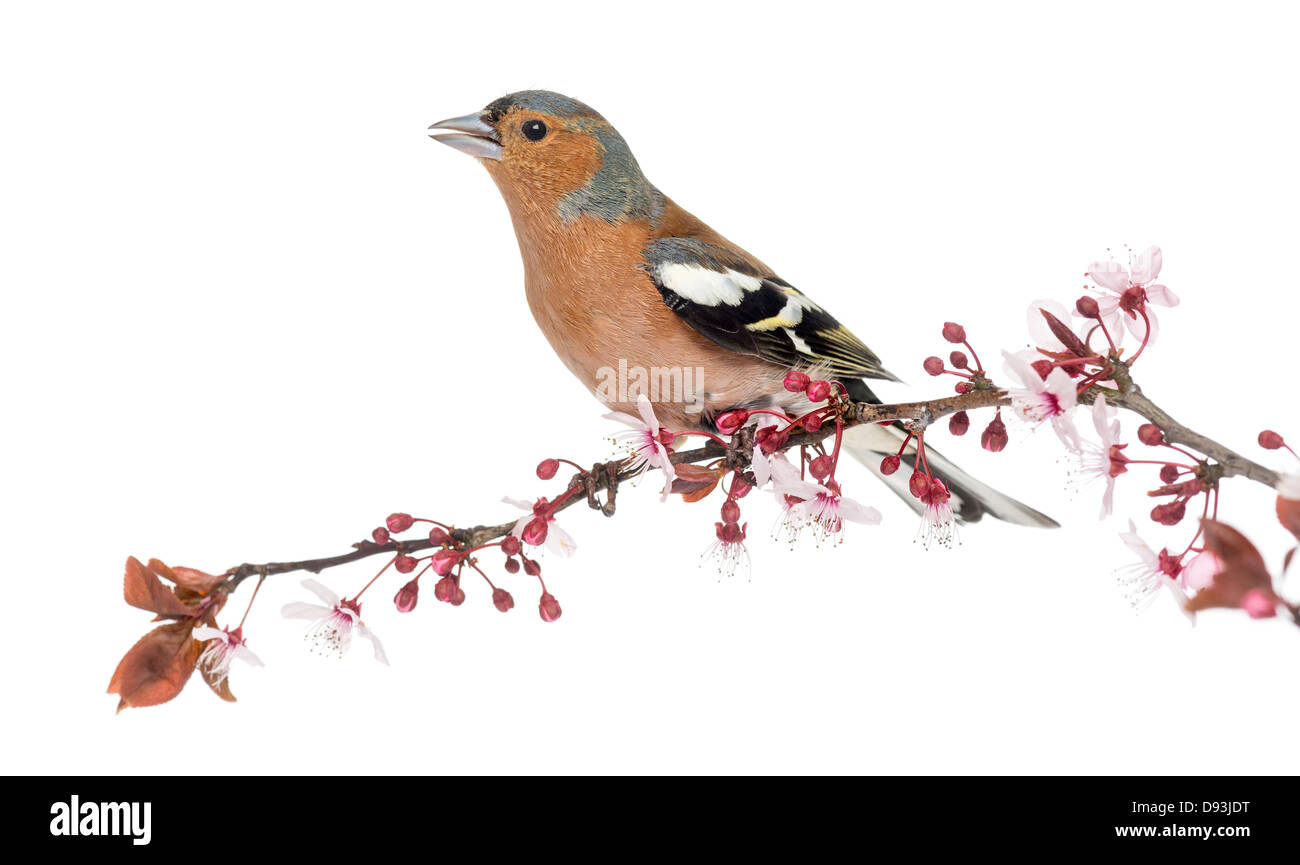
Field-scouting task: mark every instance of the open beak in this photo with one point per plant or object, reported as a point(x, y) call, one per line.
point(479, 138)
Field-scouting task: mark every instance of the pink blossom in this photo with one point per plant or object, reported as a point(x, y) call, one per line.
point(223, 647)
point(824, 508)
point(937, 522)
point(1126, 291)
point(729, 548)
point(643, 440)
point(1200, 571)
point(1142, 580)
point(1040, 400)
point(331, 632)
point(1104, 460)
point(557, 541)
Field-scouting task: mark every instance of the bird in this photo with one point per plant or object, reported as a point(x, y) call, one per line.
point(619, 276)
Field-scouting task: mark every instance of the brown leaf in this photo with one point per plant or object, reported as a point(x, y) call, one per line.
point(157, 667)
point(695, 482)
point(1288, 513)
point(188, 578)
point(1243, 569)
point(143, 589)
point(221, 688)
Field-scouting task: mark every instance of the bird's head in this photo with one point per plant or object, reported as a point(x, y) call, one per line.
point(554, 156)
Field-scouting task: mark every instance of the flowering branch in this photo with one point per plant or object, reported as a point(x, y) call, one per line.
point(1079, 359)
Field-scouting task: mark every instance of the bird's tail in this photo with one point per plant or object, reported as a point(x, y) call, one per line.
point(971, 499)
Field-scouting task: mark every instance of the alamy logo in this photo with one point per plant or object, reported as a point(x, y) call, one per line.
point(674, 384)
point(102, 818)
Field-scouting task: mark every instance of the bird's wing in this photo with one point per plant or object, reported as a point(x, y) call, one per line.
point(731, 299)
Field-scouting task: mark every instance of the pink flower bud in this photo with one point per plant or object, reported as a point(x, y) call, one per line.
point(535, 532)
point(958, 360)
point(919, 484)
point(890, 464)
point(1170, 514)
point(512, 566)
point(813, 422)
point(404, 564)
point(457, 597)
point(548, 607)
point(730, 421)
point(510, 545)
point(532, 567)
point(502, 600)
point(730, 511)
point(954, 332)
point(739, 486)
point(1168, 473)
point(819, 390)
point(407, 596)
point(1270, 440)
point(445, 590)
point(959, 423)
point(399, 522)
point(547, 468)
point(820, 466)
point(1258, 605)
point(438, 536)
point(963, 386)
point(994, 438)
point(444, 561)
point(770, 439)
point(380, 536)
point(933, 365)
point(1150, 434)
point(1087, 307)
point(796, 382)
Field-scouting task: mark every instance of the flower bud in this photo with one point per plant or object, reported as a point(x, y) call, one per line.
point(739, 486)
point(1270, 440)
point(404, 564)
point(438, 536)
point(954, 332)
point(510, 545)
point(994, 438)
point(919, 484)
point(770, 439)
point(407, 596)
point(512, 566)
point(380, 536)
point(1087, 307)
point(457, 597)
point(1150, 434)
point(548, 607)
point(1170, 514)
point(399, 522)
point(730, 511)
point(547, 468)
point(535, 532)
point(1168, 473)
point(890, 464)
point(958, 360)
point(812, 422)
point(959, 423)
point(819, 390)
point(1258, 604)
point(532, 567)
point(502, 600)
point(933, 365)
point(445, 589)
point(443, 561)
point(796, 382)
point(820, 466)
point(730, 421)
point(963, 386)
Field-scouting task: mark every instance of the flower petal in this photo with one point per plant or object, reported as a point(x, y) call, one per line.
point(519, 503)
point(1161, 296)
point(1110, 275)
point(203, 634)
point(370, 635)
point(647, 414)
point(329, 598)
point(858, 513)
point(625, 418)
point(299, 610)
point(1146, 266)
point(246, 655)
point(559, 541)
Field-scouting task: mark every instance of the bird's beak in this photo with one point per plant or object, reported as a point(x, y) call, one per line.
point(479, 140)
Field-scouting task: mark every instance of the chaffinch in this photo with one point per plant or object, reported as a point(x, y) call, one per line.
point(619, 277)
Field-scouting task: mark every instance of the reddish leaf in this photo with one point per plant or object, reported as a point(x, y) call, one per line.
point(143, 589)
point(1067, 337)
point(1243, 569)
point(221, 688)
point(1288, 512)
point(188, 578)
point(157, 667)
point(695, 482)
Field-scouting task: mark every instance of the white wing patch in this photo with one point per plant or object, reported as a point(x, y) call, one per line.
point(707, 287)
point(798, 342)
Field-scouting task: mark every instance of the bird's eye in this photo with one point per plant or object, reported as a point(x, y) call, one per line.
point(533, 130)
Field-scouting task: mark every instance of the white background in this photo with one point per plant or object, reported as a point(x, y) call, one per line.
point(250, 309)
